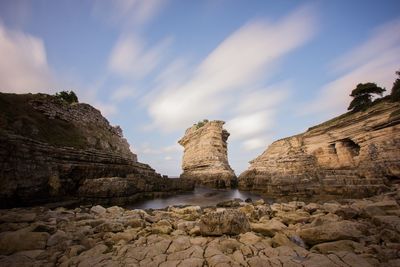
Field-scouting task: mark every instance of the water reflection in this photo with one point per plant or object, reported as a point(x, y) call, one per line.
point(200, 196)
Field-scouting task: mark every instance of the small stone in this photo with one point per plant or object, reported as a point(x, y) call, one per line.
point(57, 238)
point(98, 210)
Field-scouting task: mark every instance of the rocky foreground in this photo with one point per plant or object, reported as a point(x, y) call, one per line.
point(354, 233)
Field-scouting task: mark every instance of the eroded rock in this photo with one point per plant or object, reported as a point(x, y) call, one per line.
point(205, 159)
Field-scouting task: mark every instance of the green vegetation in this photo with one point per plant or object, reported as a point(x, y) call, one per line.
point(201, 124)
point(18, 117)
point(67, 96)
point(362, 96)
point(395, 94)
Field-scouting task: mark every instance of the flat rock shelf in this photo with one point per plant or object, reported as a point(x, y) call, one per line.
point(361, 233)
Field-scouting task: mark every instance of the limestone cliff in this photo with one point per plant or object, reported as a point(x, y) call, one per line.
point(205, 159)
point(356, 154)
point(50, 148)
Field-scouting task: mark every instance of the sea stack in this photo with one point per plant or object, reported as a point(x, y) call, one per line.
point(205, 159)
point(356, 154)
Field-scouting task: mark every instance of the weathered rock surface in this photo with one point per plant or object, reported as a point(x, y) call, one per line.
point(356, 154)
point(114, 236)
point(231, 222)
point(49, 148)
point(205, 159)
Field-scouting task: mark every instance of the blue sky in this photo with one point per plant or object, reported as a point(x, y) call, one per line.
point(270, 69)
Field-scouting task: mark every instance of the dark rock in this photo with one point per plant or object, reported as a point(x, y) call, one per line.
point(230, 203)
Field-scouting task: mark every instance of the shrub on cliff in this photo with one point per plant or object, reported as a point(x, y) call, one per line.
point(395, 94)
point(362, 96)
point(201, 123)
point(68, 96)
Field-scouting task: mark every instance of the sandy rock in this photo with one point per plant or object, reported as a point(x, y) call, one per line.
point(162, 227)
point(249, 238)
point(205, 159)
point(231, 222)
point(57, 238)
point(98, 210)
point(392, 222)
point(18, 217)
point(381, 208)
point(341, 245)
point(350, 155)
point(331, 232)
point(110, 226)
point(11, 242)
point(293, 217)
point(259, 202)
point(268, 228)
point(311, 207)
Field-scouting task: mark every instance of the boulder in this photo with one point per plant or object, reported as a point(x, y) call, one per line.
point(11, 242)
point(98, 209)
point(231, 222)
point(331, 231)
point(340, 245)
point(57, 238)
point(268, 228)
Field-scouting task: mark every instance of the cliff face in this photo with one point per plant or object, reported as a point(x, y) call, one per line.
point(205, 159)
point(355, 154)
point(49, 149)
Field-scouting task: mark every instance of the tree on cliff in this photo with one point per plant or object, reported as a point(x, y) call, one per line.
point(395, 94)
point(68, 96)
point(362, 96)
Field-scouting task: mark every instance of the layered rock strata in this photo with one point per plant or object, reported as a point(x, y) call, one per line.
point(49, 149)
point(205, 159)
point(362, 233)
point(356, 154)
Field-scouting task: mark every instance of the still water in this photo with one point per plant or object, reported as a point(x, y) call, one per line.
point(200, 197)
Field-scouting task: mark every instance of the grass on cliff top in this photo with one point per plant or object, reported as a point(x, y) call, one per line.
point(19, 117)
point(335, 120)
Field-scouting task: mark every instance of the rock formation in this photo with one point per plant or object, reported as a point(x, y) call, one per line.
point(50, 148)
point(205, 159)
point(358, 233)
point(356, 154)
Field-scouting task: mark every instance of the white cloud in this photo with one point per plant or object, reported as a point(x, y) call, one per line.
point(376, 60)
point(249, 125)
point(256, 143)
point(23, 64)
point(130, 58)
point(106, 109)
point(237, 63)
point(168, 158)
point(145, 148)
point(263, 99)
point(123, 93)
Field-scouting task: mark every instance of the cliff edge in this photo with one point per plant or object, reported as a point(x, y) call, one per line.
point(356, 154)
point(205, 159)
point(51, 150)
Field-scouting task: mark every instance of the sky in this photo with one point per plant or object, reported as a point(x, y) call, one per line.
point(269, 69)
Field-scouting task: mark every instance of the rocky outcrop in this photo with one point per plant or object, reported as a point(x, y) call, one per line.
point(49, 149)
point(196, 236)
point(356, 154)
point(205, 159)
